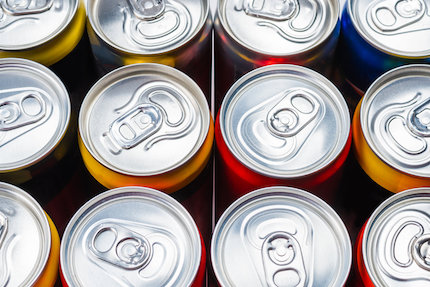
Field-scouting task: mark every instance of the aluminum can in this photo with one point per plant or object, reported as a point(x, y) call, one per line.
point(174, 33)
point(281, 125)
point(391, 129)
point(147, 125)
point(35, 129)
point(286, 236)
point(251, 34)
point(393, 244)
point(29, 241)
point(132, 236)
point(378, 36)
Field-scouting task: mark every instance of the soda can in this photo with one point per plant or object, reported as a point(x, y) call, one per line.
point(132, 236)
point(391, 129)
point(393, 244)
point(251, 34)
point(36, 134)
point(286, 236)
point(147, 125)
point(173, 33)
point(29, 241)
point(378, 36)
point(281, 125)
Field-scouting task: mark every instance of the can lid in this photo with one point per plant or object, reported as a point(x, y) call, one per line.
point(131, 236)
point(147, 26)
point(396, 240)
point(34, 113)
point(395, 119)
point(279, 27)
point(25, 237)
point(393, 26)
point(284, 121)
point(287, 236)
point(26, 24)
point(134, 119)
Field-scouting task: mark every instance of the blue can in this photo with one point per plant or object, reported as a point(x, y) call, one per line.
point(379, 35)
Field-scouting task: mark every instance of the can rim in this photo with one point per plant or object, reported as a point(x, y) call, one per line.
point(376, 45)
point(135, 69)
point(91, 18)
point(371, 93)
point(90, 206)
point(329, 31)
point(20, 195)
point(52, 79)
point(253, 197)
point(324, 82)
point(45, 40)
point(381, 212)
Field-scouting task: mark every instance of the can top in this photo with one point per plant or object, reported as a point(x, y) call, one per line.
point(34, 113)
point(395, 117)
point(396, 240)
point(147, 26)
point(26, 24)
point(25, 237)
point(279, 27)
point(134, 119)
point(393, 26)
point(284, 121)
point(288, 236)
point(131, 236)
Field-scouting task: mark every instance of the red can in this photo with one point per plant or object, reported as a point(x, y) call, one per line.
point(132, 236)
point(281, 125)
point(392, 247)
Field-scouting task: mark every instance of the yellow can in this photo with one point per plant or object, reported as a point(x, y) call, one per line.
point(29, 240)
point(146, 125)
point(391, 129)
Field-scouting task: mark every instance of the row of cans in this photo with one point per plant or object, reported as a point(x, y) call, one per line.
point(375, 36)
point(136, 236)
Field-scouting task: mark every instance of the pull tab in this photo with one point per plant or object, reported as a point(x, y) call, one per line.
point(278, 10)
point(294, 112)
point(419, 119)
point(421, 251)
point(283, 260)
point(21, 109)
point(25, 7)
point(147, 9)
point(392, 15)
point(133, 127)
point(3, 228)
point(120, 246)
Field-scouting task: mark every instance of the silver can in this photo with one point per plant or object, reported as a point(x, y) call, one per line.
point(170, 32)
point(145, 124)
point(280, 236)
point(34, 120)
point(392, 129)
point(29, 243)
point(251, 34)
point(132, 236)
point(396, 240)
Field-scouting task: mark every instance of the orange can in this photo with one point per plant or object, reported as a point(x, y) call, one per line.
point(29, 241)
point(391, 131)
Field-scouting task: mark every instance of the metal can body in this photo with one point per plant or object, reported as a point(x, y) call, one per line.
point(281, 125)
point(35, 129)
point(132, 235)
point(173, 33)
point(134, 119)
point(390, 130)
point(285, 236)
point(256, 34)
point(392, 244)
point(370, 44)
point(29, 241)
